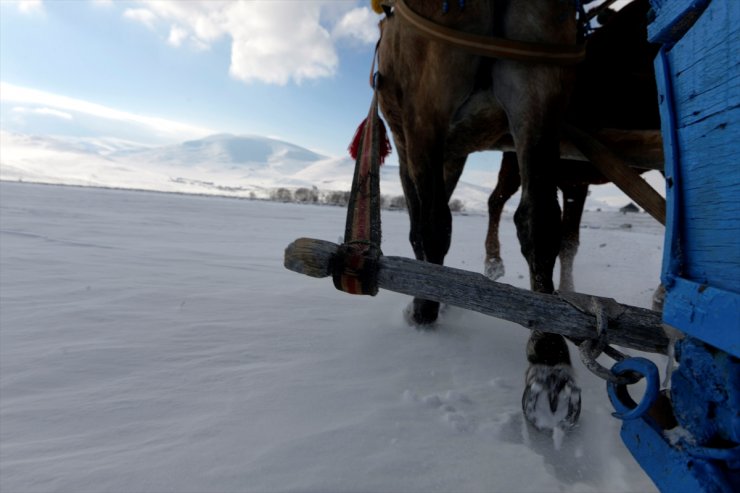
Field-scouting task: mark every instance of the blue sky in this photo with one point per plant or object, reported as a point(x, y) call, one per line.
point(166, 71)
point(178, 61)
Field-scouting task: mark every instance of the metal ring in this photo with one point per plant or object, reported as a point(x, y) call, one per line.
point(625, 406)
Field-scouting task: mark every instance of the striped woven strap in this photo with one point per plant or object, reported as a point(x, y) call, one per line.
point(355, 263)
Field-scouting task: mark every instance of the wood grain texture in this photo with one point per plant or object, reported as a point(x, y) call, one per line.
point(674, 18)
point(643, 149)
point(705, 73)
point(619, 172)
point(699, 95)
point(631, 327)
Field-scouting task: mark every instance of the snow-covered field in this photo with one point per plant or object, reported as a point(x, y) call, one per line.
point(154, 342)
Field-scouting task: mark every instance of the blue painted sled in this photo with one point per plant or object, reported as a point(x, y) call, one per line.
point(688, 437)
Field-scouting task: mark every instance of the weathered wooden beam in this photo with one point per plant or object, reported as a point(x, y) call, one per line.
point(642, 149)
point(598, 9)
point(629, 326)
point(618, 171)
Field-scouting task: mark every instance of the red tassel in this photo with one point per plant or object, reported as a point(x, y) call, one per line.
point(354, 147)
point(385, 143)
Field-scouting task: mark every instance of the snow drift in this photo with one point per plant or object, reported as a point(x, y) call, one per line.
point(154, 342)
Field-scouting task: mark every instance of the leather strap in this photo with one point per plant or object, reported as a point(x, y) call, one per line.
point(491, 46)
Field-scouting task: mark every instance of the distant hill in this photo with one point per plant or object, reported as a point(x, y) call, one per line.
point(226, 149)
point(221, 164)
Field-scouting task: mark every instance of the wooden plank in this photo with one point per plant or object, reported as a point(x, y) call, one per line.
point(630, 327)
point(673, 18)
point(710, 202)
point(671, 246)
point(701, 128)
point(705, 312)
point(643, 149)
point(705, 66)
point(705, 74)
point(619, 172)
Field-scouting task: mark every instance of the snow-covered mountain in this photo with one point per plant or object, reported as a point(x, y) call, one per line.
point(219, 164)
point(223, 164)
point(225, 149)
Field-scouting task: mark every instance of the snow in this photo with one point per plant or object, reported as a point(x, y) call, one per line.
point(154, 342)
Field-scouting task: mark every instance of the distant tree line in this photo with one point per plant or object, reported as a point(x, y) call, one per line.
point(313, 195)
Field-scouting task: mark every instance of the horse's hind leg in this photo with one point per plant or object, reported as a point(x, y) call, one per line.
point(507, 185)
point(574, 198)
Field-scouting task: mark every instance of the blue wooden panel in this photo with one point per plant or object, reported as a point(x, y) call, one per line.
point(705, 312)
point(672, 259)
point(705, 64)
point(705, 74)
point(670, 468)
point(673, 19)
point(710, 201)
point(698, 76)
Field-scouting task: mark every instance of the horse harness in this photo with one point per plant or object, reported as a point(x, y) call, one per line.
point(487, 46)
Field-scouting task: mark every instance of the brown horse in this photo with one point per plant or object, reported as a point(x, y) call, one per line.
point(442, 103)
point(619, 62)
point(573, 181)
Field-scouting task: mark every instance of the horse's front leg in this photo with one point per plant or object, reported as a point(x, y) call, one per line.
point(429, 212)
point(413, 205)
point(551, 398)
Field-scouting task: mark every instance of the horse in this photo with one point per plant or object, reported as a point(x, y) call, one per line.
point(573, 181)
point(442, 103)
point(621, 43)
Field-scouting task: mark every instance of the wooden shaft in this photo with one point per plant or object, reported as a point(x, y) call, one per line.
point(618, 171)
point(629, 326)
point(642, 149)
point(599, 9)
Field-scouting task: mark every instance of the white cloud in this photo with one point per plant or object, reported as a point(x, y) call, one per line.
point(273, 42)
point(31, 6)
point(177, 36)
point(54, 104)
point(143, 16)
point(44, 111)
point(360, 24)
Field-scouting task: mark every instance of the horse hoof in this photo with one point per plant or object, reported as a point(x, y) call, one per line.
point(551, 399)
point(421, 315)
point(494, 268)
